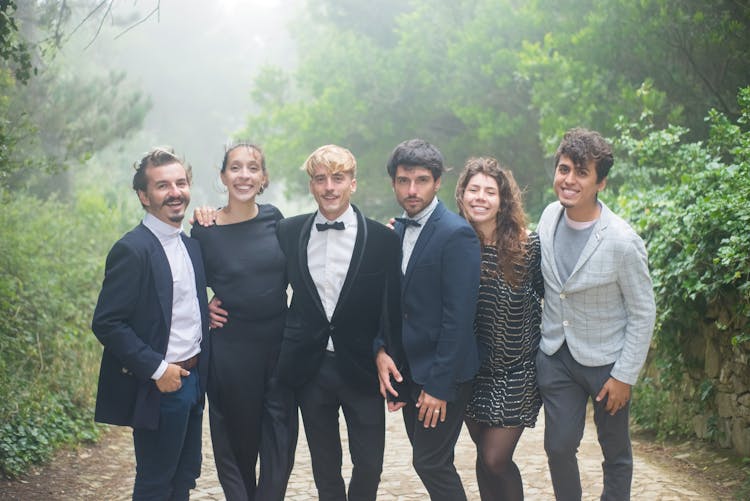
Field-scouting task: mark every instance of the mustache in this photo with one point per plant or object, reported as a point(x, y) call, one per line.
point(173, 199)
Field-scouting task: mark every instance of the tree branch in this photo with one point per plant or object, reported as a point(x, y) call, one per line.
point(141, 21)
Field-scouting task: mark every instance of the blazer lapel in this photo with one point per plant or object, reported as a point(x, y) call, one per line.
point(357, 256)
point(422, 241)
point(597, 234)
point(304, 238)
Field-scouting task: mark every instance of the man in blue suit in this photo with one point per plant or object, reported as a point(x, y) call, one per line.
point(151, 318)
point(439, 286)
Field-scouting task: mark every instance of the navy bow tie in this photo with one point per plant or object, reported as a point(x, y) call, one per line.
point(338, 225)
point(407, 222)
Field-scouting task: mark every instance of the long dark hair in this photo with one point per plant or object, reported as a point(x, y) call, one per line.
point(510, 226)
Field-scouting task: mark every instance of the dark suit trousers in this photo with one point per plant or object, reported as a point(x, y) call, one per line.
point(566, 386)
point(433, 448)
point(364, 412)
point(168, 459)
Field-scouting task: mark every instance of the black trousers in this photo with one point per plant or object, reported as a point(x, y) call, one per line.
point(364, 412)
point(250, 412)
point(433, 448)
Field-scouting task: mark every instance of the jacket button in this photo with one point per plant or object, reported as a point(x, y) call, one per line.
point(331, 328)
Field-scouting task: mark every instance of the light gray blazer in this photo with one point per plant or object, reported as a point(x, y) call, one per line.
point(605, 310)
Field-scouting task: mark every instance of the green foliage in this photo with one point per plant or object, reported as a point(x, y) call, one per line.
point(14, 52)
point(51, 260)
point(691, 204)
point(58, 118)
point(494, 77)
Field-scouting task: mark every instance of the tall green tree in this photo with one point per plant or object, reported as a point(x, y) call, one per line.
point(497, 77)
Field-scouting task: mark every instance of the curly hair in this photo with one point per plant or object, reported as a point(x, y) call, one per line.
point(510, 235)
point(583, 146)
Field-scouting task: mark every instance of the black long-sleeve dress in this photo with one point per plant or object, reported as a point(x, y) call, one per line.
point(248, 411)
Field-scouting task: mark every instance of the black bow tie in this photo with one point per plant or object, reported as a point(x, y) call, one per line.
point(338, 225)
point(408, 222)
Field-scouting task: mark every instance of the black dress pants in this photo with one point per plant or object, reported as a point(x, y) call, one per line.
point(364, 412)
point(433, 448)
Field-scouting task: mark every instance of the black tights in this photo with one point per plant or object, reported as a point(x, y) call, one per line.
point(497, 475)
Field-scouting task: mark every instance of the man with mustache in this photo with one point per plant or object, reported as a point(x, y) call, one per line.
point(151, 318)
point(343, 269)
point(439, 286)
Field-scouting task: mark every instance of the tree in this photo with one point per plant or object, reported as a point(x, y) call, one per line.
point(60, 116)
point(495, 77)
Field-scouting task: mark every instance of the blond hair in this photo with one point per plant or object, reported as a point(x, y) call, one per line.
point(334, 158)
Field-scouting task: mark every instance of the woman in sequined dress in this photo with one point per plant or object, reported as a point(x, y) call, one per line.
point(505, 397)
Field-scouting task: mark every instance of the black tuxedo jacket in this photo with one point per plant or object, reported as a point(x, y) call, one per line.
point(367, 314)
point(132, 320)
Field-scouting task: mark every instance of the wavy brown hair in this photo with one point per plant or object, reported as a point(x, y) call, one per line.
point(510, 234)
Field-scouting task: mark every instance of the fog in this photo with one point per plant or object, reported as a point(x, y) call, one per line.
point(196, 60)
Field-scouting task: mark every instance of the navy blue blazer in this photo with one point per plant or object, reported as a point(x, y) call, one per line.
point(132, 320)
point(366, 316)
point(438, 304)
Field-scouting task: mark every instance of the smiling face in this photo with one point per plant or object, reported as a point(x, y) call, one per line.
point(243, 174)
point(481, 202)
point(332, 190)
point(576, 188)
point(414, 188)
point(167, 192)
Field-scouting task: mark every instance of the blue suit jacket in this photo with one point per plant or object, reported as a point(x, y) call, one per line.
point(438, 304)
point(132, 320)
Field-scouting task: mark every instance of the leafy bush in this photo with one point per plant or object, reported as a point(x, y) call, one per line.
point(691, 204)
point(51, 262)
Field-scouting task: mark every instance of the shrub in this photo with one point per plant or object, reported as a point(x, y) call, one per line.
point(691, 204)
point(51, 261)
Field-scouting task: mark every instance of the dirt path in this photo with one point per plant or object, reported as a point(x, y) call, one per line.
point(679, 472)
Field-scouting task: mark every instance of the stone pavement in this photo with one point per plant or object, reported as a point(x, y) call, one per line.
point(400, 482)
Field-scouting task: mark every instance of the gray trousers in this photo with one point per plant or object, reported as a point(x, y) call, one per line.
point(566, 386)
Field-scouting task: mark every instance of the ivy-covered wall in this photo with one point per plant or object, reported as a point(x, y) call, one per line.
point(691, 204)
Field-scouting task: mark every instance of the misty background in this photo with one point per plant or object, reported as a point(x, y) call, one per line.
point(195, 60)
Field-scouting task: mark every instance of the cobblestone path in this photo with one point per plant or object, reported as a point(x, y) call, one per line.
point(399, 482)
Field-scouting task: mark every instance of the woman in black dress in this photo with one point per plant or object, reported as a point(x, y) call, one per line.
point(505, 397)
point(249, 412)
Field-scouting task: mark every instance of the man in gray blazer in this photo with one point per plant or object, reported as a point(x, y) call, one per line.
point(597, 321)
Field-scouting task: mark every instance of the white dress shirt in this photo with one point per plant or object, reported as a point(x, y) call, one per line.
point(329, 254)
point(411, 233)
point(185, 332)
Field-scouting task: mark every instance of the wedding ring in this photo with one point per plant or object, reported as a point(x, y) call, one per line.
point(437, 411)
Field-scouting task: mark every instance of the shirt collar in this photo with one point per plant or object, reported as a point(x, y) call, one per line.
point(349, 218)
point(163, 231)
point(425, 213)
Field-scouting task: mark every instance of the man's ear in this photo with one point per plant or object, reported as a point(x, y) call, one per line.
point(143, 198)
